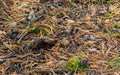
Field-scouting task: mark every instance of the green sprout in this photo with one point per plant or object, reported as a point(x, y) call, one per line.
point(43, 32)
point(32, 29)
point(35, 30)
point(74, 64)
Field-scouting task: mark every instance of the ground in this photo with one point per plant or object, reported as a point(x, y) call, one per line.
point(40, 38)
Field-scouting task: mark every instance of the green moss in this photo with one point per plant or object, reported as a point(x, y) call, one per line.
point(117, 35)
point(110, 14)
point(116, 25)
point(69, 1)
point(109, 33)
point(73, 64)
point(95, 1)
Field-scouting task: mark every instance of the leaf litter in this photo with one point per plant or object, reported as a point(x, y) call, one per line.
point(42, 39)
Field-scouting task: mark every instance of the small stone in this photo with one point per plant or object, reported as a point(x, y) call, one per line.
point(60, 15)
point(68, 31)
point(92, 38)
point(12, 33)
point(31, 15)
point(72, 49)
point(86, 36)
point(71, 15)
point(65, 42)
point(118, 49)
point(42, 51)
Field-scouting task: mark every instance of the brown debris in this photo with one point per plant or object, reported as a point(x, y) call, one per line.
point(79, 28)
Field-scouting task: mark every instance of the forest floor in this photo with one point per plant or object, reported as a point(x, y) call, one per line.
point(40, 38)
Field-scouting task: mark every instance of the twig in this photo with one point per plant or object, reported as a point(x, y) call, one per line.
point(108, 51)
point(103, 44)
point(25, 34)
point(4, 4)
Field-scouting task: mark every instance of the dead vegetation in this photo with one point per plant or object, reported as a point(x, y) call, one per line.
point(40, 38)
